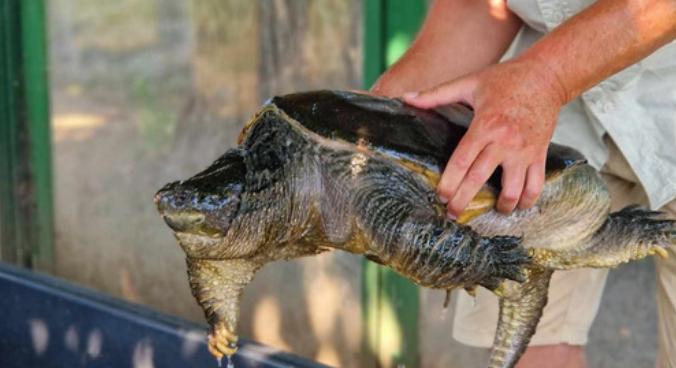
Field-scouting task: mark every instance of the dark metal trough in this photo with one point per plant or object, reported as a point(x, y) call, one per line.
point(46, 322)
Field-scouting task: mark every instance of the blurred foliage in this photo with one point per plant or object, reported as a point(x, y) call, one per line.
point(172, 82)
point(154, 121)
point(111, 25)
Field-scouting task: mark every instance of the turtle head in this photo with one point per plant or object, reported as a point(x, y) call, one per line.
point(204, 206)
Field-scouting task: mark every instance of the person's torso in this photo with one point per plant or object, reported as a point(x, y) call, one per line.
point(635, 107)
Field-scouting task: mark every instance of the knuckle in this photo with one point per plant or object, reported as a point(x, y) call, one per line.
point(461, 161)
point(539, 179)
point(509, 197)
point(476, 177)
point(513, 141)
point(508, 129)
point(531, 194)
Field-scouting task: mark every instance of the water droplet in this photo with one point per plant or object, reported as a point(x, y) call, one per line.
point(230, 363)
point(219, 361)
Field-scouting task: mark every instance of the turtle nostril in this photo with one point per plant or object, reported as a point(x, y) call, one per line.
point(163, 200)
point(158, 198)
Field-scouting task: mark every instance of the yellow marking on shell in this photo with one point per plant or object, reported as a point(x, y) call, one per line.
point(483, 202)
point(431, 176)
point(249, 124)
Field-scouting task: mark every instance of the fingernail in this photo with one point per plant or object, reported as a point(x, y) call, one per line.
point(410, 95)
point(450, 216)
point(443, 199)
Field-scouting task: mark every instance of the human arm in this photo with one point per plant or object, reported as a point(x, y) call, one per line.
point(517, 103)
point(446, 46)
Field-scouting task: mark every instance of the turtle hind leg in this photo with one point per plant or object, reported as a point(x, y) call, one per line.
point(521, 307)
point(629, 234)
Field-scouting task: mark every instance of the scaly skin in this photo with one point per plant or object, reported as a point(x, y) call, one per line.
point(325, 196)
point(286, 192)
point(520, 310)
point(217, 285)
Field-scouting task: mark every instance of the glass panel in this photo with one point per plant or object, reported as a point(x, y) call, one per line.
point(146, 92)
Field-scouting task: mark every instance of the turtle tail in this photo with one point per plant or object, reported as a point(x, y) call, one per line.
point(629, 234)
point(521, 307)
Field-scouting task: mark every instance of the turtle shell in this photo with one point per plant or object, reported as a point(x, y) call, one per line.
point(421, 139)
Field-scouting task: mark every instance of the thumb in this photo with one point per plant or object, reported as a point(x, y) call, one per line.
point(458, 90)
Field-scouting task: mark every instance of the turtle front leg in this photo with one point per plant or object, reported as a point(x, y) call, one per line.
point(217, 285)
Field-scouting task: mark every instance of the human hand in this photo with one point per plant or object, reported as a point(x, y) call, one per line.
point(516, 106)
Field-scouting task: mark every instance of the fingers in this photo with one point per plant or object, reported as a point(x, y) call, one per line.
point(476, 176)
point(513, 177)
point(535, 179)
point(460, 162)
point(463, 178)
point(459, 90)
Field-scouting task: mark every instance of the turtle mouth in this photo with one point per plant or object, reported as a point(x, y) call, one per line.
point(191, 222)
point(199, 244)
point(183, 222)
point(197, 239)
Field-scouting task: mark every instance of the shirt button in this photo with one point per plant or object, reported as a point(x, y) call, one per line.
point(607, 106)
point(594, 95)
point(558, 16)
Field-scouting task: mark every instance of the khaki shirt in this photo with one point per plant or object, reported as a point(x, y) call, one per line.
point(635, 107)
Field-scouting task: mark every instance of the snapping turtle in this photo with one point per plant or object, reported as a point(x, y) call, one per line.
point(329, 170)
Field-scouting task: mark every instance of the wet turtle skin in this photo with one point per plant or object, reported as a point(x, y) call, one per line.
point(327, 170)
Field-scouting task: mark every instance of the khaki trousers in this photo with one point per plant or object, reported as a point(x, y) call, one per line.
point(574, 296)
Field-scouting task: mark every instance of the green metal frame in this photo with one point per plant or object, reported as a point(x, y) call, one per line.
point(9, 90)
point(26, 209)
point(390, 303)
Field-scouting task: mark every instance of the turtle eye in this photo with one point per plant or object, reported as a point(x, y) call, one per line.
point(222, 211)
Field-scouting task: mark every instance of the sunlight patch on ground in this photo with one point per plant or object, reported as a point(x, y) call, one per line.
point(75, 126)
point(267, 323)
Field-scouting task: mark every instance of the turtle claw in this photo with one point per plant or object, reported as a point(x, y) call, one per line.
point(661, 252)
point(221, 341)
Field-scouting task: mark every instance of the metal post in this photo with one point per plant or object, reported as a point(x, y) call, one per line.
point(36, 96)
point(9, 124)
point(390, 302)
point(26, 223)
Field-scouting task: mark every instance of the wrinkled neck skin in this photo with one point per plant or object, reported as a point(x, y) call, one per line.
point(270, 216)
point(276, 211)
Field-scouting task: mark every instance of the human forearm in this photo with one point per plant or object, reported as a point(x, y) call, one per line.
point(600, 41)
point(458, 37)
